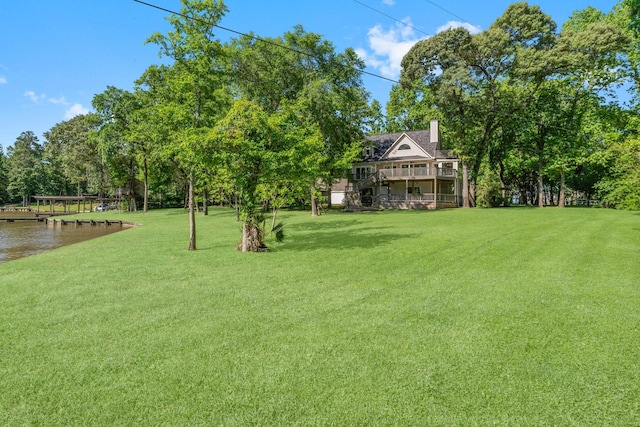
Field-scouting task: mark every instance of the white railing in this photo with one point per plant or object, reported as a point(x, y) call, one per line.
point(407, 172)
point(447, 172)
point(426, 197)
point(447, 198)
point(419, 172)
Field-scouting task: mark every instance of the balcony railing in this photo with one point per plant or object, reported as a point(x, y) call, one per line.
point(404, 173)
point(426, 197)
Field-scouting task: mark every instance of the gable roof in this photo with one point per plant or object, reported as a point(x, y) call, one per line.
point(382, 143)
point(405, 148)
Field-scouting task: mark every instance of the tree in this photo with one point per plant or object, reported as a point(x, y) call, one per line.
point(634, 15)
point(303, 72)
point(115, 109)
point(69, 147)
point(442, 65)
point(261, 151)
point(621, 186)
point(589, 49)
point(25, 168)
point(516, 86)
point(410, 107)
point(193, 87)
point(4, 181)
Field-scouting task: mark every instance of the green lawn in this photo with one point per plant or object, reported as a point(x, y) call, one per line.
point(462, 317)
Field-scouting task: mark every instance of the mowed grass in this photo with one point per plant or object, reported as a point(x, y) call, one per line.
point(460, 317)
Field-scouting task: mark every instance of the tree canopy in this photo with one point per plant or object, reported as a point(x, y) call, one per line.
point(538, 115)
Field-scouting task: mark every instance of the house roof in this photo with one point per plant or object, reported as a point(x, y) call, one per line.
point(382, 143)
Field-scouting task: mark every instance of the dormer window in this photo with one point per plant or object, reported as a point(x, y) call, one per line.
point(404, 147)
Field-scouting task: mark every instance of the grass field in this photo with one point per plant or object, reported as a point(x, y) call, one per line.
point(505, 317)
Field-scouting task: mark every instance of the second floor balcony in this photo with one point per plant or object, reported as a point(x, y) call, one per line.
point(409, 172)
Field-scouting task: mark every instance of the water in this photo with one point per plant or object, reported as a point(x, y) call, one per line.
point(20, 239)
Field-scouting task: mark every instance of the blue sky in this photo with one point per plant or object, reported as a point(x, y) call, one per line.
point(56, 55)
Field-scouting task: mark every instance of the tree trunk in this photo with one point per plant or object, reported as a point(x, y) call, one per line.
point(540, 144)
point(274, 213)
point(251, 237)
point(561, 196)
point(472, 193)
point(540, 184)
point(465, 186)
point(503, 185)
point(205, 205)
point(192, 215)
point(146, 185)
point(314, 201)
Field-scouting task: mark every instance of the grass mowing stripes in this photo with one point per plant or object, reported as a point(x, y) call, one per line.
point(460, 317)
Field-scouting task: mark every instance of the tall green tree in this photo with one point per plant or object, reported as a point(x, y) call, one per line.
point(262, 151)
point(516, 86)
point(589, 51)
point(74, 153)
point(620, 188)
point(473, 78)
point(195, 88)
point(410, 107)
point(304, 72)
point(4, 181)
point(115, 109)
point(25, 169)
point(633, 11)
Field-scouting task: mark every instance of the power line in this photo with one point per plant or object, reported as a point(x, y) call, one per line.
point(453, 14)
point(256, 38)
point(412, 27)
point(391, 17)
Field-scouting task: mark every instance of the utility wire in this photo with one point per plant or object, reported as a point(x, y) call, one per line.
point(391, 17)
point(256, 38)
point(453, 14)
point(412, 27)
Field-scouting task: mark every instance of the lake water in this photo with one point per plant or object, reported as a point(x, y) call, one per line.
point(20, 239)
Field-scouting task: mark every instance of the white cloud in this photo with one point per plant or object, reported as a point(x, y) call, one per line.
point(388, 47)
point(58, 101)
point(389, 2)
point(457, 24)
point(75, 110)
point(34, 97)
point(3, 80)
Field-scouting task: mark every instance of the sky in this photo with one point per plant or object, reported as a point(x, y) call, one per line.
point(56, 55)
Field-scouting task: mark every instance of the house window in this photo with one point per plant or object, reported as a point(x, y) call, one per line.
point(404, 147)
point(362, 172)
point(414, 190)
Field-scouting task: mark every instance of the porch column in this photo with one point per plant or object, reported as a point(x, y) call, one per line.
point(435, 186)
point(455, 190)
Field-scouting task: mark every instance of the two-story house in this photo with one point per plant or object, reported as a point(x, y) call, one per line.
point(405, 170)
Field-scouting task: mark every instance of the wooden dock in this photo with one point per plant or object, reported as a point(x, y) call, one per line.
point(53, 222)
point(57, 222)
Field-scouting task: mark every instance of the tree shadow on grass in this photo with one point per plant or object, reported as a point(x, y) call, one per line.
point(338, 235)
point(319, 225)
